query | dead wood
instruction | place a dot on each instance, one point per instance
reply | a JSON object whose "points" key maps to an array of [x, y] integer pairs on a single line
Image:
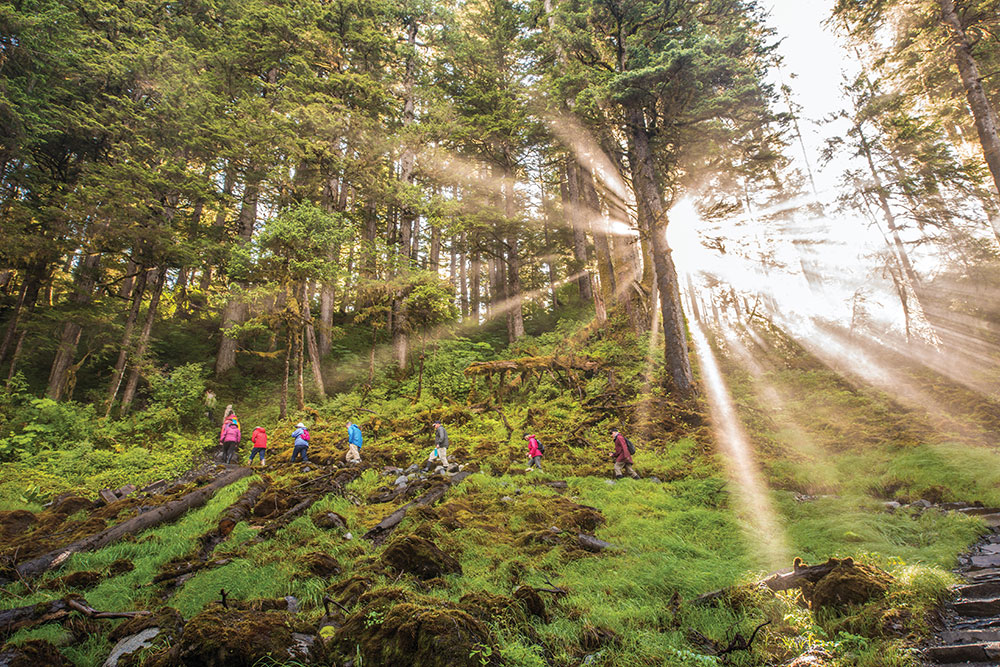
{"points": [[18, 618], [166, 512], [283, 520], [241, 509], [384, 527], [782, 581]]}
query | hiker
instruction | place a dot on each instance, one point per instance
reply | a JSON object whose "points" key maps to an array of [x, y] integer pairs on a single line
{"points": [[301, 449], [535, 451], [354, 441], [440, 447], [622, 457], [259, 440], [210, 402], [230, 438]]}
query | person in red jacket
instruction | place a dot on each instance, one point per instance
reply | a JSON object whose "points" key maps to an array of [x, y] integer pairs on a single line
{"points": [[621, 456], [259, 440], [534, 452]]}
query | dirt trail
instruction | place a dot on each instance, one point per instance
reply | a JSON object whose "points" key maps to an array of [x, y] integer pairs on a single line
{"points": [[970, 632]]}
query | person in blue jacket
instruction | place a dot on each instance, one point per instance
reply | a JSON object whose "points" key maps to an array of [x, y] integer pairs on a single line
{"points": [[354, 441], [301, 449]]}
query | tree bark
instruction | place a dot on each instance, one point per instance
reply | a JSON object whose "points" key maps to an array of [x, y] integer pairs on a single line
{"points": [[463, 276], [83, 290], [515, 307], [982, 111], [123, 352], [162, 514], [653, 220], [140, 351], [235, 310], [476, 268], [241, 509], [218, 228], [605, 296], [283, 402], [572, 210], [26, 298], [314, 358]]}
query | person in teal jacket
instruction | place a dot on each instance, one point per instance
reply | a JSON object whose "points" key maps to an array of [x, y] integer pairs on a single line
{"points": [[354, 441]]}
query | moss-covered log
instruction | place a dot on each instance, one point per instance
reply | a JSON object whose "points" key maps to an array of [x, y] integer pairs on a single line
{"points": [[389, 523], [241, 509], [535, 364], [162, 514]]}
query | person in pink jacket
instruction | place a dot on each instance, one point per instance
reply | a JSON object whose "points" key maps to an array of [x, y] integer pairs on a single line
{"points": [[230, 438], [534, 452]]}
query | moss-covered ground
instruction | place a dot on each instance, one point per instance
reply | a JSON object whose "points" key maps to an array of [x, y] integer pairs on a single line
{"points": [[831, 453]]}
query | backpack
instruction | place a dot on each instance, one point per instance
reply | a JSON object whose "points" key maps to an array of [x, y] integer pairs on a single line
{"points": [[631, 447], [541, 447], [304, 435]]}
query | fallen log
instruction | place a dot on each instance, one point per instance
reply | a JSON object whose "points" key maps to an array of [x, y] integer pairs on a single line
{"points": [[283, 520], [241, 509], [593, 544], [18, 618], [785, 580], [382, 529], [166, 512]]}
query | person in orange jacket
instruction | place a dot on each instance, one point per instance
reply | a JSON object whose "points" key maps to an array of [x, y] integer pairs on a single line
{"points": [[259, 440]]}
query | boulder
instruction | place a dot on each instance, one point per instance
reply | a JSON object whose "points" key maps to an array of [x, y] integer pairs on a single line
{"points": [[322, 565], [329, 520], [219, 637], [14, 523], [849, 583], [420, 557], [131, 644]]}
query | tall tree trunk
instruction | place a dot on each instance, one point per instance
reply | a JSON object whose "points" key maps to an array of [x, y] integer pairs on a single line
{"points": [[573, 212], [604, 297], [653, 220], [982, 111], [283, 401], [235, 310], [314, 358], [218, 227], [26, 299], [476, 267], [434, 256], [83, 290], [463, 277], [147, 329], [131, 271], [123, 352], [515, 308]]}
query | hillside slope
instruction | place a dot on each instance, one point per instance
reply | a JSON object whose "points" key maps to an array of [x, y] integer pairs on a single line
{"points": [[561, 567]]}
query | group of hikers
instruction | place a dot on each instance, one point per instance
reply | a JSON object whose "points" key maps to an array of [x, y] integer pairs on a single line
{"points": [[231, 436]]}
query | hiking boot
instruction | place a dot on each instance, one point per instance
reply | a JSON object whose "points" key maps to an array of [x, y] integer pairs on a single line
{"points": [[527, 469]]}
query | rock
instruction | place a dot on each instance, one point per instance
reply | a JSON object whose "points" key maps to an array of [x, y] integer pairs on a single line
{"points": [[329, 520], [454, 467], [302, 647], [814, 657], [219, 637], [401, 480], [108, 496], [292, 603], [33, 653], [507, 499], [427, 633], [924, 504], [654, 479], [322, 565], [126, 490], [159, 486], [891, 506], [348, 536], [593, 544], [131, 644], [419, 557], [412, 469], [983, 562], [848, 583], [977, 608]]}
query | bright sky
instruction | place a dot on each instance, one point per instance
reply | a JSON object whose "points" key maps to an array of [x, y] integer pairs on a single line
{"points": [[813, 62]]}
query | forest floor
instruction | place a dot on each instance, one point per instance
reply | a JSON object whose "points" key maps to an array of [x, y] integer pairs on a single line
{"points": [[497, 573]]}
